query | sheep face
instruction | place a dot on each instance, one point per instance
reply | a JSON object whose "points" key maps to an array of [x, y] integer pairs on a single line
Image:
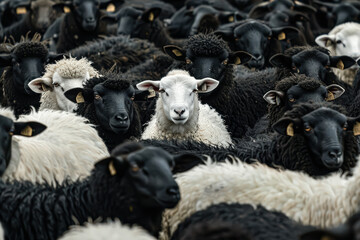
{"points": [[148, 171], [86, 13], [346, 12], [346, 42], [324, 130], [8, 128], [312, 63], [179, 95], [42, 14]]}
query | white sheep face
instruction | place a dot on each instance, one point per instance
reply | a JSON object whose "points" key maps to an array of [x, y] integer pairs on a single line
{"points": [[179, 94]]}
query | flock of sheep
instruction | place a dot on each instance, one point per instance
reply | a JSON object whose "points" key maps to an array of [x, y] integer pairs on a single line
{"points": [[179, 120]]}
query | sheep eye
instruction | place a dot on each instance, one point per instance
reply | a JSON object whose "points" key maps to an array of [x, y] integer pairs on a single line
{"points": [[236, 39], [345, 127], [135, 168], [225, 62], [97, 97], [188, 61], [338, 41], [161, 91], [56, 85], [132, 98], [308, 129], [269, 37], [327, 66], [292, 100]]}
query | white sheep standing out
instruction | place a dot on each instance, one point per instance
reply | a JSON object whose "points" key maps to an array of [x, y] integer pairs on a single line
{"points": [[112, 230], [344, 39], [180, 115], [60, 77], [67, 149], [325, 202]]}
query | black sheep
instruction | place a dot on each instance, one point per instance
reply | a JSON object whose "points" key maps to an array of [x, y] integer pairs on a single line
{"points": [[108, 103], [327, 145], [25, 62], [135, 185], [259, 223]]}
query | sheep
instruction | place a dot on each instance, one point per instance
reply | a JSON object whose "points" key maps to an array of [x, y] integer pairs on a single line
{"points": [[343, 40], [58, 78], [179, 115], [24, 62], [1, 232], [67, 148], [111, 230], [257, 222], [324, 202], [108, 103], [313, 138], [134, 184]]}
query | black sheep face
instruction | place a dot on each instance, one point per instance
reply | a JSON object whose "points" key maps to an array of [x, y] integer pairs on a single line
{"points": [[42, 14], [86, 13], [8, 128], [126, 19], [324, 130], [114, 108], [148, 172], [312, 63]]}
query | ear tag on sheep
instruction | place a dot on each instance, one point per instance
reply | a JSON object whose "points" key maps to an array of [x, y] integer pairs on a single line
{"points": [[151, 17], [357, 129], [152, 93], [282, 36], [290, 130], [177, 52], [328, 43], [231, 19], [340, 65], [28, 131], [111, 8], [203, 87], [131, 208], [112, 169], [237, 61], [80, 98], [66, 10], [330, 96], [21, 10]]}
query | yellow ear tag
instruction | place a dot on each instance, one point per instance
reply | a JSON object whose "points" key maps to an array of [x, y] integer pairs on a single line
{"points": [[66, 10], [151, 17], [340, 65], [112, 168], [237, 61], [282, 36], [357, 129], [80, 98], [27, 131], [44, 87], [203, 87], [21, 10], [290, 130], [328, 43], [152, 93], [177, 52], [131, 208], [111, 8], [327, 238], [330, 96], [231, 19]]}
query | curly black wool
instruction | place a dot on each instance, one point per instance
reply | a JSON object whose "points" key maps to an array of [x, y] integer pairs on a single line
{"points": [[206, 45]]}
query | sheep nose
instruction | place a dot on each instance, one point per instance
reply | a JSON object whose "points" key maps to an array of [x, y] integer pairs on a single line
{"points": [[90, 19], [334, 154], [121, 117], [258, 57], [179, 111], [173, 191]]}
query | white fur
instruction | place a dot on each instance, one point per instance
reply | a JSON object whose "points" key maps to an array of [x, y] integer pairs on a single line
{"points": [[68, 73], [2, 237], [68, 148], [325, 202], [349, 35], [107, 231], [199, 122]]}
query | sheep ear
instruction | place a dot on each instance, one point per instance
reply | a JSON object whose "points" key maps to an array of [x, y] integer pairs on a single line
{"points": [[284, 33], [151, 14], [281, 61], [148, 85], [206, 85], [354, 124], [239, 57], [76, 95], [285, 126], [28, 129], [226, 34], [274, 97], [5, 60], [175, 52], [334, 91], [112, 165], [186, 161], [40, 85], [325, 40], [53, 57], [341, 62]]}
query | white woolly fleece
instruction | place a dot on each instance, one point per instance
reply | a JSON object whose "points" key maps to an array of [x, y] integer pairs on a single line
{"points": [[325, 202], [205, 125], [107, 231], [68, 148]]}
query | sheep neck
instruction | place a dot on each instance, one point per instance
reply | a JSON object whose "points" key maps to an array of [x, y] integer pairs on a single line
{"points": [[169, 130]]}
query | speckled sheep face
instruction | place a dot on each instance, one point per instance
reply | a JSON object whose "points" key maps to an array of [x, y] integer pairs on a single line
{"points": [[87, 13]]}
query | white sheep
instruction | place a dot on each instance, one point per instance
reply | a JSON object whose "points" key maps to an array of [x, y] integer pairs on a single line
{"points": [[325, 202], [112, 230], [67, 148], [180, 115], [344, 39], [60, 77]]}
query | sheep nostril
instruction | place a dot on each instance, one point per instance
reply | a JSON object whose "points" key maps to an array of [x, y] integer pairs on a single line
{"points": [[173, 191], [121, 117]]}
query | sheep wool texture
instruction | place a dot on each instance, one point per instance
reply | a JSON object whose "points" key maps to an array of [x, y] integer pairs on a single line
{"points": [[111, 230], [67, 149], [1, 233], [67, 68], [325, 202]]}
